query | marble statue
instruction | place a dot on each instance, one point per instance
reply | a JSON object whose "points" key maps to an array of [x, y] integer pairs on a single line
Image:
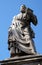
{"points": [[21, 34]]}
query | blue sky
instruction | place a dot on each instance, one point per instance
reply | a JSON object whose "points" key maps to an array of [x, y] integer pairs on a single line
{"points": [[9, 8]]}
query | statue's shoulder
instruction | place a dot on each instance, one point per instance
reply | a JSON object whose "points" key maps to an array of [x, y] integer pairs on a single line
{"points": [[29, 10], [18, 16]]}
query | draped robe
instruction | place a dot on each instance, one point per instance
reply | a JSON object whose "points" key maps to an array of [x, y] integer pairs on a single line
{"points": [[22, 33]]}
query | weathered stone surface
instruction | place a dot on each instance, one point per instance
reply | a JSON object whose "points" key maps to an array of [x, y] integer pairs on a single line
{"points": [[21, 34], [23, 60]]}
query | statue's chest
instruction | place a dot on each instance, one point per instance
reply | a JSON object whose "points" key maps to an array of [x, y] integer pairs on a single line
{"points": [[22, 20], [25, 17]]}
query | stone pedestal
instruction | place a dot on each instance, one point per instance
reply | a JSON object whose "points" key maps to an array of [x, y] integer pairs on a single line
{"points": [[23, 60]]}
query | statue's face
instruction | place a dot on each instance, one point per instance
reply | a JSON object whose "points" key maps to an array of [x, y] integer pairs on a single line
{"points": [[23, 8]]}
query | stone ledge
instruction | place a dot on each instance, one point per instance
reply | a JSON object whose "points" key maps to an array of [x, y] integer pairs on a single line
{"points": [[20, 60]]}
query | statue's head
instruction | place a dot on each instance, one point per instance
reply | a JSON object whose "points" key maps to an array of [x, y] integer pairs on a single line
{"points": [[23, 8]]}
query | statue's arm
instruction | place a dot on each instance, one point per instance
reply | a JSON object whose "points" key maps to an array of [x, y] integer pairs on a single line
{"points": [[10, 33], [11, 28], [12, 24], [34, 19]]}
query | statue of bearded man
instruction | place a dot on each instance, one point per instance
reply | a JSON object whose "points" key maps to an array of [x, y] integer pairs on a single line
{"points": [[20, 37]]}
